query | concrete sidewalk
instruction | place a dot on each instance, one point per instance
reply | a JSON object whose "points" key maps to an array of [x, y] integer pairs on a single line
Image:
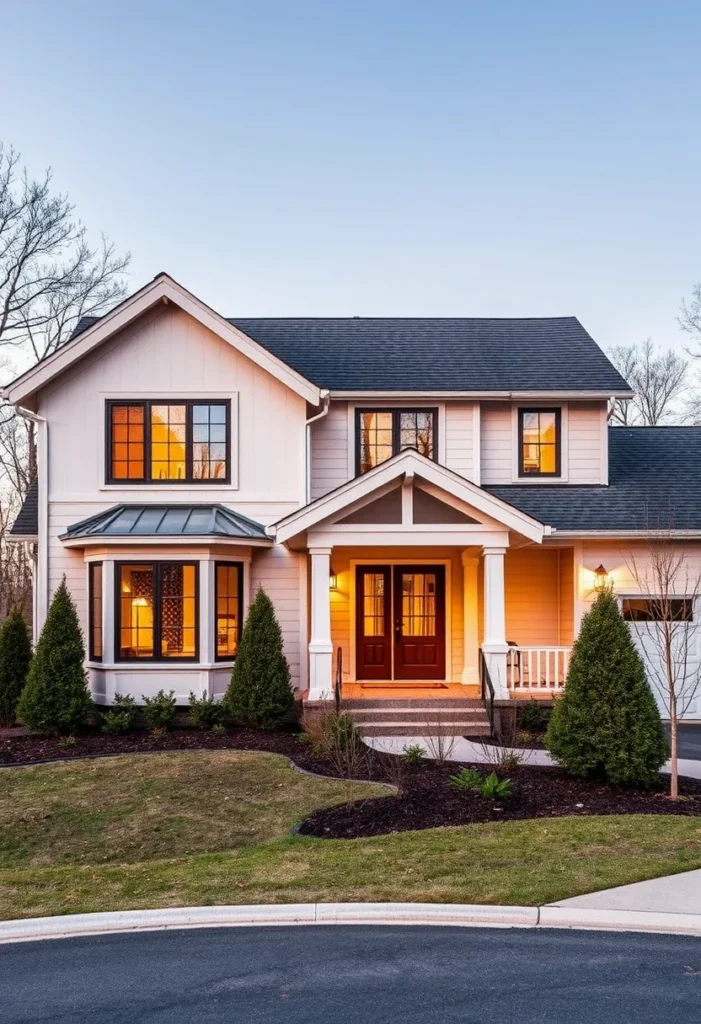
{"points": [[674, 894], [474, 752]]}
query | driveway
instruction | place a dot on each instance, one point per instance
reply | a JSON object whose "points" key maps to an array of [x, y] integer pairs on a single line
{"points": [[353, 975], [689, 741]]}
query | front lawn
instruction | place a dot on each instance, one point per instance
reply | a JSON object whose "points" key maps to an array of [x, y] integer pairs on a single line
{"points": [[214, 827]]}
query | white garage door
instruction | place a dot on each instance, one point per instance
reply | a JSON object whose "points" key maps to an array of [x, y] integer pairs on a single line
{"points": [[642, 615]]}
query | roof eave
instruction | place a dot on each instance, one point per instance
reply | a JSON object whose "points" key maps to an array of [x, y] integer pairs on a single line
{"points": [[584, 395], [136, 540]]}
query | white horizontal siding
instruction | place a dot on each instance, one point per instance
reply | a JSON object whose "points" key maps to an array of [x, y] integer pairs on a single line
{"points": [[277, 571], [587, 435], [496, 443], [330, 445], [459, 438]]}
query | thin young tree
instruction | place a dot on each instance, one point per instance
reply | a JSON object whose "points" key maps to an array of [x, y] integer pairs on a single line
{"points": [[660, 380], [667, 570]]}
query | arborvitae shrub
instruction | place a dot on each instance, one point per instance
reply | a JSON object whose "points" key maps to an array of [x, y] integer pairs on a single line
{"points": [[606, 724], [15, 657], [259, 693], [56, 698]]}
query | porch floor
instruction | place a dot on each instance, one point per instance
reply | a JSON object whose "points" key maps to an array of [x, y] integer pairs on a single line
{"points": [[421, 691]]}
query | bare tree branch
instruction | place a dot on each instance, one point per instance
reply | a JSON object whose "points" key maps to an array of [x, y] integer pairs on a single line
{"points": [[658, 378]]}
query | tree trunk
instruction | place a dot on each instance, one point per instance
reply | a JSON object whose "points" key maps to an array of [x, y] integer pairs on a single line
{"points": [[674, 784]]}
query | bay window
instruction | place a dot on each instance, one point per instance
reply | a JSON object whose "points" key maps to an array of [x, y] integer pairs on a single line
{"points": [[95, 611], [157, 611], [168, 442], [228, 598]]}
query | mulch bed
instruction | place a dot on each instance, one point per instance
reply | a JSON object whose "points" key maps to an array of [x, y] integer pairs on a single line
{"points": [[427, 799]]}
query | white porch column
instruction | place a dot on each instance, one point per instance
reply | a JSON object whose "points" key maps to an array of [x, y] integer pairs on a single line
{"points": [[320, 647], [470, 612], [494, 645]]}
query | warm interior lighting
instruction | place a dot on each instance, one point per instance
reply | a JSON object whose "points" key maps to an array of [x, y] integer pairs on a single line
{"points": [[601, 578], [139, 602]]}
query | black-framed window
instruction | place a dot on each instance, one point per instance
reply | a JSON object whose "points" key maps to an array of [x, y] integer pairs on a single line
{"points": [[228, 601], [95, 611], [539, 442], [657, 609], [382, 433], [157, 611], [168, 442]]}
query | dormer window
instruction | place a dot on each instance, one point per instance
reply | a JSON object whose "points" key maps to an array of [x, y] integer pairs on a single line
{"points": [[168, 442], [382, 433], [539, 442]]}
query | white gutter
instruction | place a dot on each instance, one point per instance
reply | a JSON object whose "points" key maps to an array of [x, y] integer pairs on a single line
{"points": [[325, 406], [484, 395], [41, 597]]}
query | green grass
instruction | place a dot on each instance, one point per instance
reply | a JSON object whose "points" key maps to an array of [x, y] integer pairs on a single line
{"points": [[214, 827]]}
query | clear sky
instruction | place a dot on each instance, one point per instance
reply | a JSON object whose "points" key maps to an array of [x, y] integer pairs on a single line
{"points": [[408, 158]]}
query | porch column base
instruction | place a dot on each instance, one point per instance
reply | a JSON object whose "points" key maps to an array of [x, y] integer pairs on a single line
{"points": [[320, 671], [495, 657]]}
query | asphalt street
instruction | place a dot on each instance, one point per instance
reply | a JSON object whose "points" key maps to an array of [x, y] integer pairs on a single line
{"points": [[354, 974]]}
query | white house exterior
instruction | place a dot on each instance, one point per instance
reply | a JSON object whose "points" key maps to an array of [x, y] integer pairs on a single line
{"points": [[426, 496]]}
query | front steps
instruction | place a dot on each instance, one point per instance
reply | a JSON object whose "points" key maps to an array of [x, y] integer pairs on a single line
{"points": [[417, 717]]}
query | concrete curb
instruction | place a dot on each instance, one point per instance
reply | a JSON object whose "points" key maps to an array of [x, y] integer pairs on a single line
{"points": [[454, 915]]}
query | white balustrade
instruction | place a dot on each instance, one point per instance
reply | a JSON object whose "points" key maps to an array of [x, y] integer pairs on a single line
{"points": [[542, 669]]}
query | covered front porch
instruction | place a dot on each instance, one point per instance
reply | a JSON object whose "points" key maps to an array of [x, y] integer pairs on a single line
{"points": [[420, 581]]}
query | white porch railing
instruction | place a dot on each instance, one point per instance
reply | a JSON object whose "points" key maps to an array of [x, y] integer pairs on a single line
{"points": [[537, 668]]}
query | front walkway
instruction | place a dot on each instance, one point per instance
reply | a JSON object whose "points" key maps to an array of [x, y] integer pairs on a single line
{"points": [[674, 894], [473, 752]]}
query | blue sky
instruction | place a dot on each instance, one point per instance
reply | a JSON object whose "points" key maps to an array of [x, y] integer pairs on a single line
{"points": [[383, 158]]}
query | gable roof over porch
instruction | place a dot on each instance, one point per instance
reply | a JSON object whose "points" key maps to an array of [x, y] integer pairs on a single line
{"points": [[405, 467]]}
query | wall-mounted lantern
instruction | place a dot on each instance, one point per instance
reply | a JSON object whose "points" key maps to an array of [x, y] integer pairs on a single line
{"points": [[602, 580]]}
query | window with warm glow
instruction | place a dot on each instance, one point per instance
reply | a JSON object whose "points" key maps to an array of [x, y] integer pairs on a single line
{"points": [[657, 609], [168, 442], [95, 610], [157, 611], [539, 442], [382, 433], [229, 602]]}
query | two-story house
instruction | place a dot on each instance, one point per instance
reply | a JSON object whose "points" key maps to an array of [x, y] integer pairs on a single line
{"points": [[431, 497]]}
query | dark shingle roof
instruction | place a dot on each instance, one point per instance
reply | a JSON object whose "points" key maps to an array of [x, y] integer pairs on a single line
{"points": [[167, 521], [441, 354], [654, 484], [435, 354], [27, 522]]}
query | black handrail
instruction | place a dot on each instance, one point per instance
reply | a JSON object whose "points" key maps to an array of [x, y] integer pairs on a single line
{"points": [[487, 691], [337, 693]]}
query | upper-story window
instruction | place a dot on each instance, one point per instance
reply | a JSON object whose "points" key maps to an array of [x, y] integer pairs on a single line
{"points": [[539, 442], [168, 442], [381, 433]]}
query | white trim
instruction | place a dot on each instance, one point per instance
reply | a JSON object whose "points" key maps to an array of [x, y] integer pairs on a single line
{"points": [[392, 562], [624, 534], [477, 444], [428, 536], [323, 508], [526, 480], [161, 288], [604, 462], [106, 541]]}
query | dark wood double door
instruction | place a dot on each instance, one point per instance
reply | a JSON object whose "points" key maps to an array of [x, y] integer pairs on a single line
{"points": [[400, 622]]}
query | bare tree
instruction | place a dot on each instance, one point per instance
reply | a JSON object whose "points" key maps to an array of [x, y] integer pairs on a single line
{"points": [[50, 276], [668, 573], [689, 318], [658, 378]]}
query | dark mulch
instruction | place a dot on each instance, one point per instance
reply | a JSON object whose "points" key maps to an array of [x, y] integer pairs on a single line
{"points": [[30, 749], [428, 801]]}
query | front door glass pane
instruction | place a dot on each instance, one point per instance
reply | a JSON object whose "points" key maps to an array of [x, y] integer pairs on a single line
{"points": [[419, 604], [374, 604]]}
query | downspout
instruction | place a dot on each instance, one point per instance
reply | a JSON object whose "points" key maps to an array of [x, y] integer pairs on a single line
{"points": [[325, 406], [40, 602]]}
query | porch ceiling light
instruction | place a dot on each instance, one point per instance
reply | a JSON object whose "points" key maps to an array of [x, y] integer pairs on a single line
{"points": [[601, 578]]}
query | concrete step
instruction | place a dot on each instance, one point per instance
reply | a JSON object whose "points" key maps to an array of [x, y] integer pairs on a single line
{"points": [[392, 728], [370, 715]]}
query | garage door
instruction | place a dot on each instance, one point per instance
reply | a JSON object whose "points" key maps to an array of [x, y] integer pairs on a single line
{"points": [[642, 615]]}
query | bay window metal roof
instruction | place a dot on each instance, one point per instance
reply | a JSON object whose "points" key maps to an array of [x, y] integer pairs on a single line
{"points": [[167, 521]]}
